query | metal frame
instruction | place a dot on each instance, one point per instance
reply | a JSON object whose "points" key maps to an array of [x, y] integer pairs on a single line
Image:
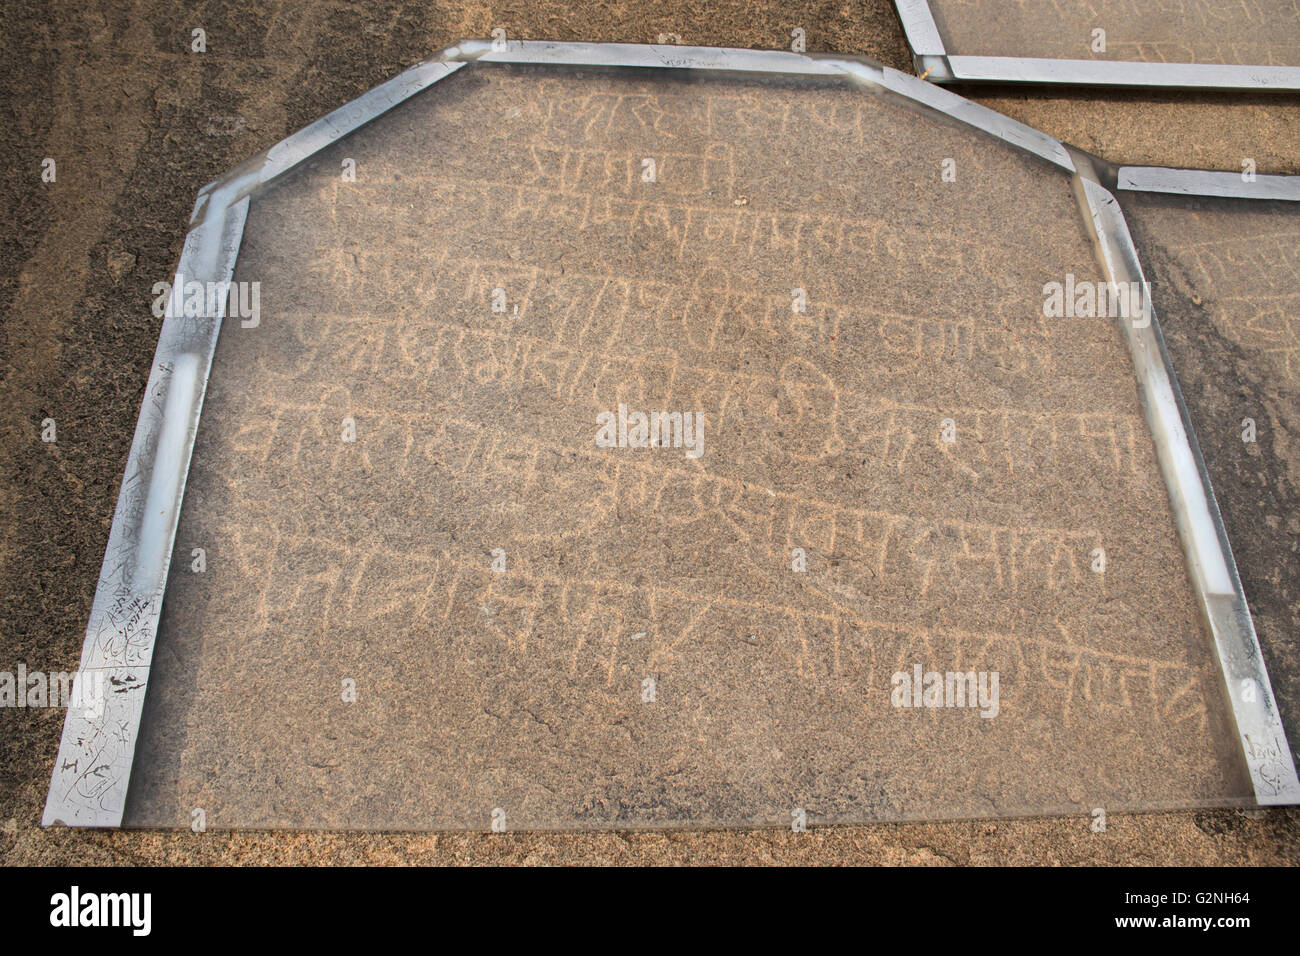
{"points": [[938, 64], [1211, 564], [93, 767], [1202, 182]]}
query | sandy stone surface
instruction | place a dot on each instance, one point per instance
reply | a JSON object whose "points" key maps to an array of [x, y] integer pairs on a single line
{"points": [[138, 124]]}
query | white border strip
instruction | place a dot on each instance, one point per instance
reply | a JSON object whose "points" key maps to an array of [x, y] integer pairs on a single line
{"points": [[1202, 182], [1205, 76], [981, 117]]}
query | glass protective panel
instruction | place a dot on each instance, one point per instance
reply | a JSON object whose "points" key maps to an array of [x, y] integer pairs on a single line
{"points": [[618, 448]]}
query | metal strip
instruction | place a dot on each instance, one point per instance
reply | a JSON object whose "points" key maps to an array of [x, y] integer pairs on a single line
{"points": [[980, 117], [1201, 182], [1204, 76], [918, 23], [333, 126], [669, 56], [269, 165], [1211, 566], [93, 767]]}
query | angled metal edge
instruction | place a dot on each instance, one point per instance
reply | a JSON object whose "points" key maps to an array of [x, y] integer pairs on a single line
{"points": [[1202, 182], [661, 56], [255, 173], [1203, 76], [1211, 566], [918, 23], [89, 783], [259, 171], [972, 114]]}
